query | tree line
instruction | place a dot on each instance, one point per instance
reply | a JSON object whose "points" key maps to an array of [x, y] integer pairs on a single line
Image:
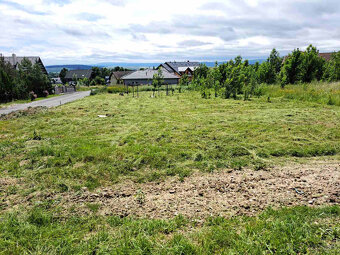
{"points": [[239, 77], [26, 81], [98, 75]]}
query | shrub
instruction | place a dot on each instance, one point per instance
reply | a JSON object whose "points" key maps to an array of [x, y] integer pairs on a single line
{"points": [[32, 96], [45, 93], [116, 89], [98, 91]]}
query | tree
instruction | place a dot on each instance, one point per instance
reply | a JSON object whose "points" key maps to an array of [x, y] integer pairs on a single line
{"points": [[266, 73], [33, 79], [311, 65], [96, 72], [291, 70], [75, 79], [184, 81], [216, 79], [97, 81], [62, 75], [201, 71], [7, 77], [275, 61], [332, 68], [157, 80]]}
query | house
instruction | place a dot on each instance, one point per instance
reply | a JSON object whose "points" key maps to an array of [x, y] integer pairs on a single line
{"points": [[56, 81], [326, 56], [180, 68], [78, 74], [116, 77], [144, 77], [15, 61]]}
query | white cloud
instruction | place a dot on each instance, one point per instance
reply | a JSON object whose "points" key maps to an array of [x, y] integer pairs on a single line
{"points": [[91, 31]]}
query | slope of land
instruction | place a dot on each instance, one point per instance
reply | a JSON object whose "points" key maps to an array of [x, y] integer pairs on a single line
{"points": [[177, 174]]}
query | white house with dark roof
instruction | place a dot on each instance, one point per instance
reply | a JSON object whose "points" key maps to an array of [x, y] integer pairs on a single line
{"points": [[15, 61], [144, 77], [180, 68]]}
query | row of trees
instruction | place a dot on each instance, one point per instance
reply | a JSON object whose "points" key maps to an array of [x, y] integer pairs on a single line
{"points": [[98, 75], [19, 84], [238, 77]]}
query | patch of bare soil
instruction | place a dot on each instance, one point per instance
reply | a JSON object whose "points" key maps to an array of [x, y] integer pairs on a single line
{"points": [[224, 193]]}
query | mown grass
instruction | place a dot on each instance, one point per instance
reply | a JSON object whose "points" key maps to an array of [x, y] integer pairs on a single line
{"points": [[149, 138], [323, 93], [64, 149], [299, 230], [24, 101]]}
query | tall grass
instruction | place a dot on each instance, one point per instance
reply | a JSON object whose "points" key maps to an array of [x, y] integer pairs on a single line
{"points": [[319, 92], [300, 230]]}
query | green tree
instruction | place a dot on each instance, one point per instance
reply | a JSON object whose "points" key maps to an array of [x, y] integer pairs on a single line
{"points": [[184, 81], [62, 75], [7, 78], [32, 78], [157, 80], [96, 72], [291, 70], [332, 68], [216, 79], [266, 73], [275, 60], [201, 72], [311, 65]]}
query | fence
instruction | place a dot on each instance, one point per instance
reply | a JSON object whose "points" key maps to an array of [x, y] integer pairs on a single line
{"points": [[64, 89]]}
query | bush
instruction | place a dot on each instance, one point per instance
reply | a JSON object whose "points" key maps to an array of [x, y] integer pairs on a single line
{"points": [[32, 96], [116, 89], [98, 91], [45, 93]]}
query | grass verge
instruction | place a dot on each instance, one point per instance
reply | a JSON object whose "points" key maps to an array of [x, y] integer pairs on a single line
{"points": [[299, 230]]}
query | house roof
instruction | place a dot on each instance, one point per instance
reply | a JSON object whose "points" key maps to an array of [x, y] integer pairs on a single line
{"points": [[80, 74], [175, 66], [327, 56], [56, 80], [120, 74], [15, 61], [148, 75], [183, 69]]}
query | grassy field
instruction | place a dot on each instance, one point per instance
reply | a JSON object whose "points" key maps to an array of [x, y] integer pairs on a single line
{"points": [[323, 93], [300, 230], [24, 101], [146, 139]]}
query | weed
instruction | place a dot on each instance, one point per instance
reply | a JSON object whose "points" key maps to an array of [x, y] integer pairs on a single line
{"points": [[36, 137], [93, 207], [140, 197]]}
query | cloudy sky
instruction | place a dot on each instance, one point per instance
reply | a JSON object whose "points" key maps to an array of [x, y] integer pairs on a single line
{"points": [[95, 31]]}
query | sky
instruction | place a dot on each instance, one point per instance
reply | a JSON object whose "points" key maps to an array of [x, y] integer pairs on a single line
{"points": [[97, 31]]}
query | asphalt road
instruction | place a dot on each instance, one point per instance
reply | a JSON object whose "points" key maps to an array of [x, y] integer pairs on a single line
{"points": [[50, 102]]}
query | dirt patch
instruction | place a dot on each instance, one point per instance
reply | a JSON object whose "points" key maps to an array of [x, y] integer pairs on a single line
{"points": [[20, 113], [225, 193]]}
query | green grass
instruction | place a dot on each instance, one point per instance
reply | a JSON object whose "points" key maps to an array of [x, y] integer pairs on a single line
{"points": [[24, 101], [299, 230], [323, 93], [149, 138], [145, 139]]}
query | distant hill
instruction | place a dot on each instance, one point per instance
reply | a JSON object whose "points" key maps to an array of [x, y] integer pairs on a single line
{"points": [[57, 68], [132, 66]]}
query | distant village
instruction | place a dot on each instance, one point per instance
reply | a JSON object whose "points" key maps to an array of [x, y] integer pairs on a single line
{"points": [[171, 73]]}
